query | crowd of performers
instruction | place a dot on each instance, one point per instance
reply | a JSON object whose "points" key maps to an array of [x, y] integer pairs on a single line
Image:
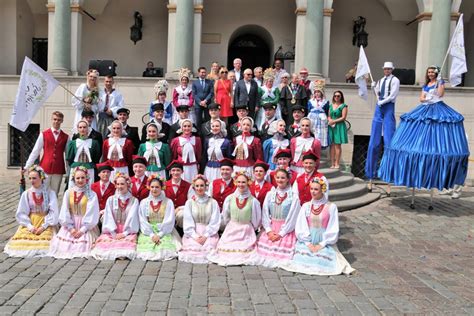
{"points": [[247, 193]]}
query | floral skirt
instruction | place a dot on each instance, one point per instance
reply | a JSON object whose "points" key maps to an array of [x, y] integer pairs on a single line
{"points": [[65, 246], [236, 246], [25, 244], [167, 249], [272, 254], [193, 251], [109, 248]]}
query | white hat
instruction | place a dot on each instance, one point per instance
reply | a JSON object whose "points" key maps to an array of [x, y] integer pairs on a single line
{"points": [[388, 64]]}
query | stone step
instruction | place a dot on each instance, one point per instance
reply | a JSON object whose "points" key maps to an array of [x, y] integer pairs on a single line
{"points": [[330, 173], [344, 180], [357, 202], [358, 188]]}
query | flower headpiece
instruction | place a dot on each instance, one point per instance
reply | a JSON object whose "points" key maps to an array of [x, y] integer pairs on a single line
{"points": [[184, 73], [321, 182], [93, 72], [161, 86], [83, 169], [200, 177], [155, 177], [318, 85], [124, 176], [39, 170], [242, 173], [268, 74], [435, 68]]}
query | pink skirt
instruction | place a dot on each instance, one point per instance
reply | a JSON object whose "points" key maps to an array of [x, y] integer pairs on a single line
{"points": [[274, 253], [109, 248], [236, 246], [65, 246], [194, 252]]}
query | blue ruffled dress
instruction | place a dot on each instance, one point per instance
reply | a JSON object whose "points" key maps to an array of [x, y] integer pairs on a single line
{"points": [[429, 148]]}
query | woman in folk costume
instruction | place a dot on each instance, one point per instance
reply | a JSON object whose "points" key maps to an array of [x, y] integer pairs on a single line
{"points": [[279, 213], [242, 215], [37, 214], [303, 143], [160, 89], [120, 225], [78, 217], [83, 151], [158, 240], [318, 108], [278, 141], [87, 98], [183, 93], [216, 148], [247, 148], [187, 148], [202, 219], [117, 150], [268, 94], [157, 153], [317, 232]]}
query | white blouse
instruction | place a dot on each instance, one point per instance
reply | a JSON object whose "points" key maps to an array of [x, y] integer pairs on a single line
{"points": [[132, 223], [290, 220], [256, 209], [165, 227], [91, 217], [211, 217], [25, 208]]}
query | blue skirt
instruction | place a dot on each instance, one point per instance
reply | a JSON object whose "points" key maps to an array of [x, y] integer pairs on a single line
{"points": [[428, 150]]}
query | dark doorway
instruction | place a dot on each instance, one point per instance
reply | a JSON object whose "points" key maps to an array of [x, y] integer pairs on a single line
{"points": [[252, 49], [40, 52]]}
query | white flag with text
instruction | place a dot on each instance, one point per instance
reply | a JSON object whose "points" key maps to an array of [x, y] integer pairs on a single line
{"points": [[35, 87], [363, 70], [458, 54]]}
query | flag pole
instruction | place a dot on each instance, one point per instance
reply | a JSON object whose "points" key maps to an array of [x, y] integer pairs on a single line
{"points": [[450, 45], [70, 92]]}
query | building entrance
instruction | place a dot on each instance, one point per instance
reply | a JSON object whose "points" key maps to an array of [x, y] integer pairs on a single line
{"points": [[252, 49]]}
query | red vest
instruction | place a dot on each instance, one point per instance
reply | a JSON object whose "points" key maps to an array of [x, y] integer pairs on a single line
{"points": [[216, 191], [303, 186], [52, 161], [109, 191], [181, 196], [267, 187], [142, 192]]}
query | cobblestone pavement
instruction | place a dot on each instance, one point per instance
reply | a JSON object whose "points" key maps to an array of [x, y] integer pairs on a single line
{"points": [[408, 261]]}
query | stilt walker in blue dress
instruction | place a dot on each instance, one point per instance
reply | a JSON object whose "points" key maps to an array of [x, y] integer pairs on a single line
{"points": [[386, 90], [429, 149]]}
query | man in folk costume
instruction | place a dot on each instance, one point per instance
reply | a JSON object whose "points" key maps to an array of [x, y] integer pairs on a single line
{"points": [[292, 95], [259, 187], [386, 90], [139, 188], [52, 142], [88, 116], [112, 101], [158, 114], [177, 189], [104, 188], [293, 129], [301, 185], [242, 111], [214, 113], [282, 160], [123, 115], [221, 188], [270, 111]]}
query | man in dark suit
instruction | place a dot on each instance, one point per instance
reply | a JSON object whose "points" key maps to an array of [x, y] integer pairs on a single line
{"points": [[203, 93], [246, 92], [293, 129], [132, 132], [158, 114], [270, 110]]}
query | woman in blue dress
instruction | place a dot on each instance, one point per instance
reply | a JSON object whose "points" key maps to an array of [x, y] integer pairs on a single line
{"points": [[429, 148], [278, 141]]}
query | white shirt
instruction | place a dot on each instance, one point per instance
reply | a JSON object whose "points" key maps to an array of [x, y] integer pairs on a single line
{"points": [[394, 89], [247, 85], [116, 101], [238, 75]]}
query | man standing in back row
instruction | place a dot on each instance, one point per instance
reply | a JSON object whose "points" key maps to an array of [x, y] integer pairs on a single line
{"points": [[246, 92], [386, 90]]}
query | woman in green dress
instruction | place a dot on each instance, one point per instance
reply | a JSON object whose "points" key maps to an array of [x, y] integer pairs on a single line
{"points": [[157, 153], [337, 127], [158, 239]]}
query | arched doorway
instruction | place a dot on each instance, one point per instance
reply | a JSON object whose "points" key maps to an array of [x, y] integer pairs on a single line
{"points": [[253, 44]]}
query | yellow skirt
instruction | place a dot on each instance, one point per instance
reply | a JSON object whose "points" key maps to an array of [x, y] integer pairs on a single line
{"points": [[26, 244]]}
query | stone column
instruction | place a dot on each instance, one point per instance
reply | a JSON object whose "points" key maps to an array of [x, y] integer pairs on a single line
{"points": [[184, 41], [326, 36], [171, 36], [61, 63], [50, 7], [300, 32], [313, 49], [198, 8], [76, 36], [440, 29]]}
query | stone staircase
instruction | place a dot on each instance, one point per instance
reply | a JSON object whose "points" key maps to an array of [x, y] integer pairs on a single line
{"points": [[346, 191]]}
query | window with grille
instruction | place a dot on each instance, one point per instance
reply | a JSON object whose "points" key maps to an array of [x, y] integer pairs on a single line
{"points": [[21, 144]]}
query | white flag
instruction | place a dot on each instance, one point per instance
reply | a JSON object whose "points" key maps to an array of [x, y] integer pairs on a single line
{"points": [[362, 70], [35, 87], [458, 54]]}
